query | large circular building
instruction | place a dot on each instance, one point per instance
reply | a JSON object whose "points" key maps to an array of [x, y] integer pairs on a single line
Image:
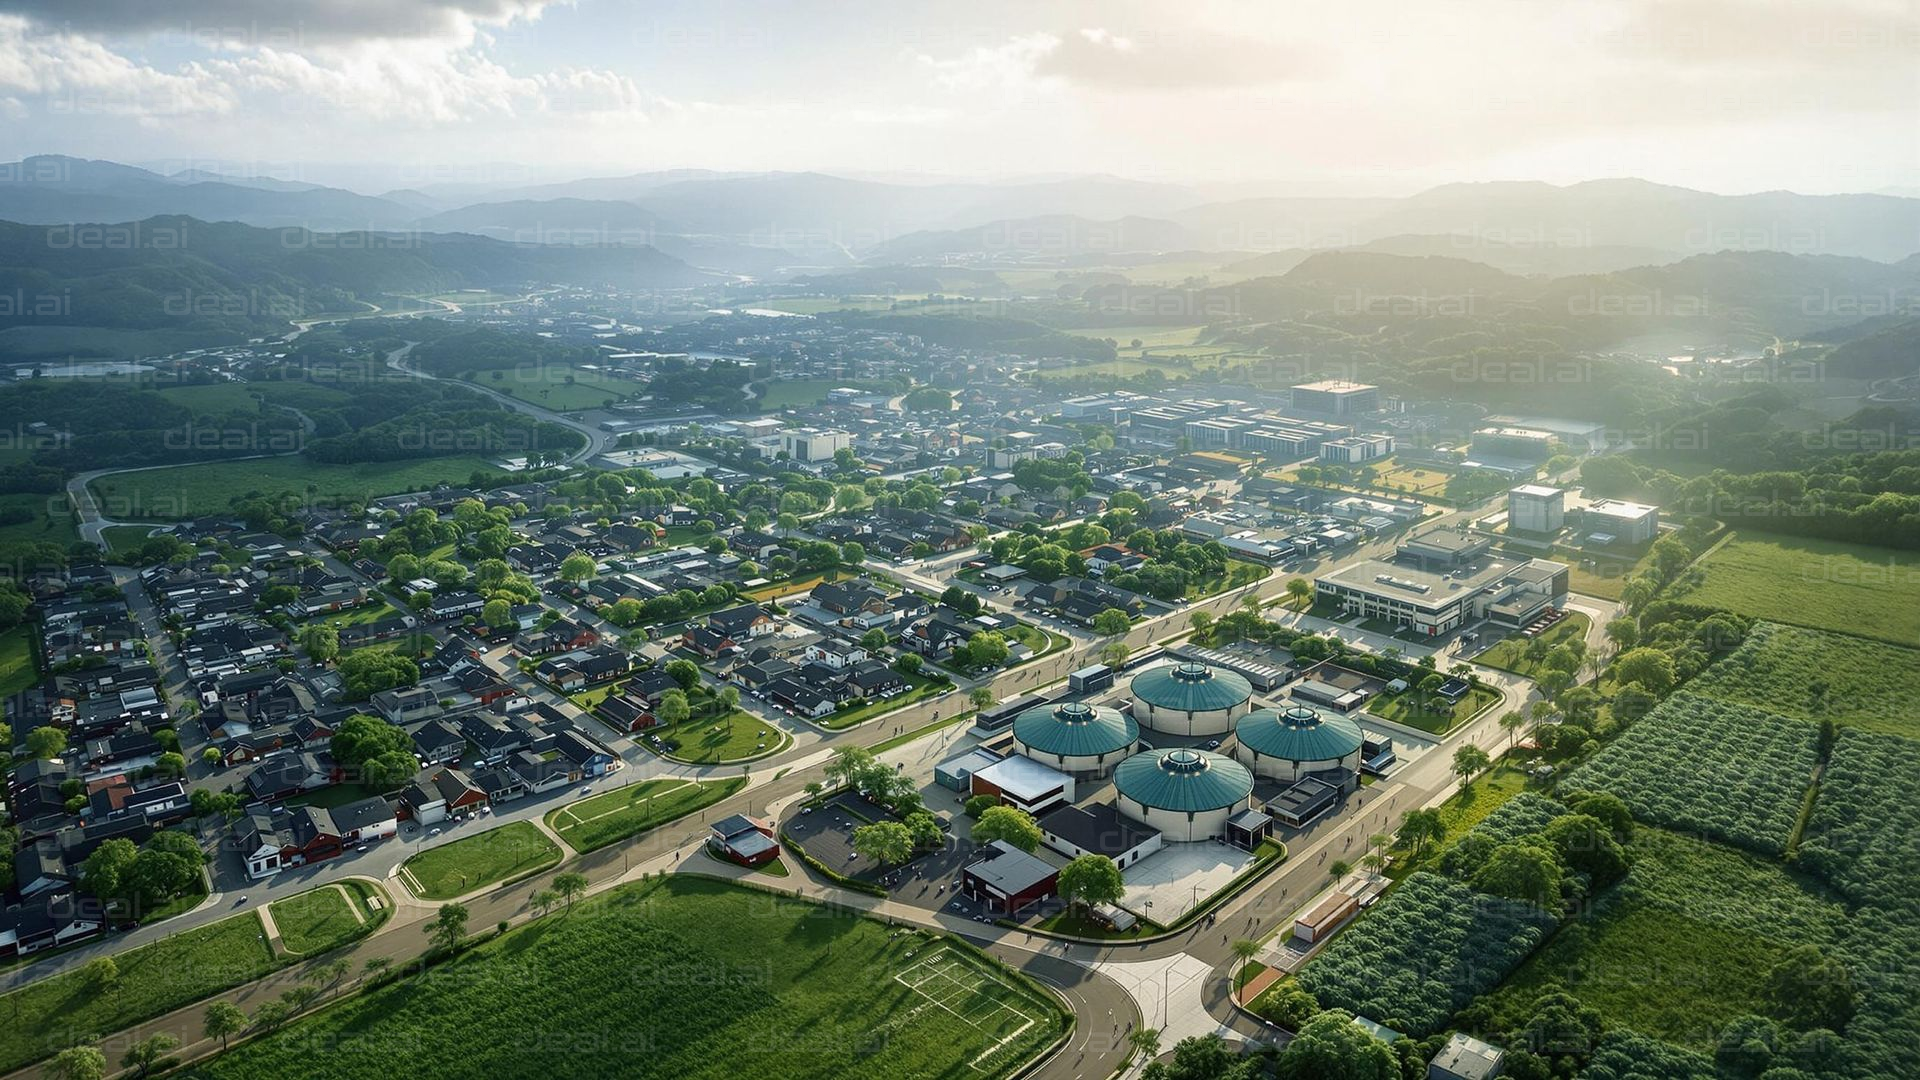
{"points": [[1075, 737], [1186, 794], [1190, 699], [1290, 743]]}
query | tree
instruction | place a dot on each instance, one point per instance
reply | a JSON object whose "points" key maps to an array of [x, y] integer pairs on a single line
{"points": [[1112, 622], [1008, 823], [874, 640], [1420, 828], [1523, 871], [985, 649], [46, 743], [1244, 950], [909, 663], [673, 708], [1427, 686], [1470, 761], [1114, 654], [1808, 989], [1332, 1047], [148, 1053], [1202, 623], [925, 829], [333, 972], [224, 1020], [1651, 668], [853, 553], [981, 696], [102, 974], [577, 567], [1091, 879], [1145, 1041], [1623, 632], [104, 873], [83, 1062], [570, 885], [366, 672], [1511, 723], [1631, 702], [1605, 807], [1300, 591], [449, 926], [321, 642], [497, 615], [271, 1014], [885, 842], [543, 900]]}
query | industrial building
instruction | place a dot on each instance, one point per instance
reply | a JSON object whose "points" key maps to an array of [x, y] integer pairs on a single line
{"points": [[1336, 397], [1297, 741], [1526, 444], [1188, 795], [1190, 699], [1023, 783], [1536, 509], [1008, 879], [1437, 584], [814, 444], [1099, 829], [1615, 521], [1356, 449], [1077, 738]]}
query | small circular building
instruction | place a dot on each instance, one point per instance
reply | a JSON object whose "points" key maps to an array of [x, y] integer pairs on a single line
{"points": [[1190, 699], [1187, 794], [1290, 743], [1075, 737]]}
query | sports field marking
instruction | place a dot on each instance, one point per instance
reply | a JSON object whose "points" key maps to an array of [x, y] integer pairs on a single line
{"points": [[944, 981]]}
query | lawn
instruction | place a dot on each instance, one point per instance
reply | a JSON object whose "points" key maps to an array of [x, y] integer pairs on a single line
{"points": [[562, 389], [921, 688], [1828, 585], [1238, 573], [777, 394], [1511, 654], [676, 978], [189, 491], [122, 539], [1606, 577], [613, 816], [374, 610], [1437, 716], [477, 861], [1682, 945], [1819, 675], [738, 736], [45, 1017], [17, 669], [332, 915]]}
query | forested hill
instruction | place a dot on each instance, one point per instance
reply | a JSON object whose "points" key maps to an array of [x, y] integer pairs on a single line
{"points": [[224, 278]]}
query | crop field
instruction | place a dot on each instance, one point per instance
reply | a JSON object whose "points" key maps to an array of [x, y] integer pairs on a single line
{"points": [[322, 918], [1864, 834], [1709, 920], [1853, 588], [1819, 675], [613, 816], [1730, 771], [1423, 951], [477, 861], [45, 1017], [674, 978], [189, 491]]}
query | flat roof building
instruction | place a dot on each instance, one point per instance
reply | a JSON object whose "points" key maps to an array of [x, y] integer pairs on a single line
{"points": [[1536, 509], [1007, 879], [1023, 783], [1626, 522], [1437, 601], [1099, 829], [1336, 397]]}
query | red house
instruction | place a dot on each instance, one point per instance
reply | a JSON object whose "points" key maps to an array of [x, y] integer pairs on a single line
{"points": [[746, 840]]}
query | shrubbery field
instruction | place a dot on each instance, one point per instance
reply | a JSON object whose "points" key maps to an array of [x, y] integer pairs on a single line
{"points": [[1864, 835], [1731, 771], [1424, 951], [678, 977], [1820, 676]]}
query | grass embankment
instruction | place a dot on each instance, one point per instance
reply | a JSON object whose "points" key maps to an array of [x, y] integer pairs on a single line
{"points": [[477, 861]]}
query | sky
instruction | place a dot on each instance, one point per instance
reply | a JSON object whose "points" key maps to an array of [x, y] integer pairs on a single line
{"points": [[1300, 97]]}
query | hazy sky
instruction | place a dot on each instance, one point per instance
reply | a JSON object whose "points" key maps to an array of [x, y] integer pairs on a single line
{"points": [[1348, 95]]}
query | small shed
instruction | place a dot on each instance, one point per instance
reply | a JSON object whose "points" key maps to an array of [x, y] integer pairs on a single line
{"points": [[1325, 917], [1248, 828]]}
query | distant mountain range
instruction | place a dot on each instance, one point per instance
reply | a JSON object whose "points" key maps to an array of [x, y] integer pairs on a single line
{"points": [[768, 223]]}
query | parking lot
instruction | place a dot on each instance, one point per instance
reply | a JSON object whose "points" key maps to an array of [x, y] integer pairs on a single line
{"points": [[927, 881]]}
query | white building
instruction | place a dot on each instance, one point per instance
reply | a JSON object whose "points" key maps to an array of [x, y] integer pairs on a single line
{"points": [[814, 444], [1617, 521], [1356, 449], [1536, 508]]}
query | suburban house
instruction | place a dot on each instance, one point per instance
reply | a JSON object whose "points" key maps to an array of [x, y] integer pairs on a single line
{"points": [[49, 920], [432, 798], [746, 840], [743, 622]]}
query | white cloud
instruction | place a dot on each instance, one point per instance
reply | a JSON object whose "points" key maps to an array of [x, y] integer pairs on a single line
{"points": [[74, 75]]}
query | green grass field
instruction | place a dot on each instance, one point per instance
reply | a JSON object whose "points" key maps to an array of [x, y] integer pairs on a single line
{"points": [[1437, 716], [372, 611], [1511, 654], [225, 397], [719, 740], [776, 394], [561, 389], [678, 978], [46, 1017], [1855, 589], [1682, 945], [189, 491], [319, 919], [17, 670], [613, 816], [45, 518], [476, 861], [1818, 675], [120, 539], [922, 688]]}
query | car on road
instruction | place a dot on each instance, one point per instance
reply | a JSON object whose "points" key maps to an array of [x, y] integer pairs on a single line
{"points": [[433, 832]]}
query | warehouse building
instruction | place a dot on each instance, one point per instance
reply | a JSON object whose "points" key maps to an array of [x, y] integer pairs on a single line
{"points": [[1188, 795], [1536, 509], [1099, 829], [1615, 521], [1336, 397]]}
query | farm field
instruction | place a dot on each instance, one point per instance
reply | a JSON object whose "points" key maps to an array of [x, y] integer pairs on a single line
{"points": [[1731, 771], [320, 919], [1423, 951], [725, 982], [43, 518], [561, 389], [189, 491], [46, 1016], [1864, 833], [477, 861], [1175, 338], [613, 816], [1818, 675], [1710, 920], [1824, 584]]}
